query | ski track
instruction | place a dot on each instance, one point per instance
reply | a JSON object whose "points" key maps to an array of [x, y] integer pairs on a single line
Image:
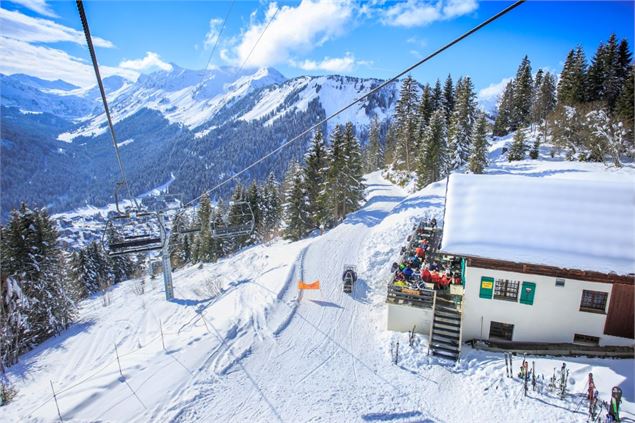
{"points": [[297, 356]]}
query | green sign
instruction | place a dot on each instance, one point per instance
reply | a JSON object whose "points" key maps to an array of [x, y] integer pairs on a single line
{"points": [[487, 287]]}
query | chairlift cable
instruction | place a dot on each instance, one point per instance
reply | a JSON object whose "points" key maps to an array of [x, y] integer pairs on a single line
{"points": [[91, 49], [258, 40], [374, 90], [209, 60]]}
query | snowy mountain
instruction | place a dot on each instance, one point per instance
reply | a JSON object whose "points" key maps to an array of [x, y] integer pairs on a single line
{"points": [[183, 122]]}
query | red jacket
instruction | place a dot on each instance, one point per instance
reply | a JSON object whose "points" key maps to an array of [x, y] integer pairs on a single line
{"points": [[425, 275], [444, 280], [419, 252], [436, 278]]}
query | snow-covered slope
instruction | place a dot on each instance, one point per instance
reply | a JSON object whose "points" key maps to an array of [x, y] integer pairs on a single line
{"points": [[260, 351], [332, 92], [183, 96]]}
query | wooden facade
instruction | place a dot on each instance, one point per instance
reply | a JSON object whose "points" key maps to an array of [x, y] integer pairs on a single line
{"points": [[620, 320], [556, 272]]}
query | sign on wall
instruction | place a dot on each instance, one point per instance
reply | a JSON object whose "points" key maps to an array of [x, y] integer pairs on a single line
{"points": [[487, 287]]}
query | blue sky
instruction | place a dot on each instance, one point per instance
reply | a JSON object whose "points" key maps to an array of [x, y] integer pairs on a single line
{"points": [[370, 39]]}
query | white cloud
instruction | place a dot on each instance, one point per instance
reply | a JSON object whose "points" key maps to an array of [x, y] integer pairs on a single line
{"points": [[214, 32], [151, 61], [488, 96], [38, 6], [294, 30], [423, 12], [335, 64], [49, 63], [26, 28]]}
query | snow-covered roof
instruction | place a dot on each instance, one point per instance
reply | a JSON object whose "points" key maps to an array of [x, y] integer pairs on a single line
{"points": [[572, 224]]}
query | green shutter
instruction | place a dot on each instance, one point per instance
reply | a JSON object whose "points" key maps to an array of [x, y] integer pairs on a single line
{"points": [[487, 287], [527, 293], [463, 271]]}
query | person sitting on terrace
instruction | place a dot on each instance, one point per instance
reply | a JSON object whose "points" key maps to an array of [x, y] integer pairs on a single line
{"points": [[444, 281], [394, 267], [420, 252], [456, 278], [434, 266], [415, 263], [426, 276], [433, 223], [407, 272], [400, 282]]}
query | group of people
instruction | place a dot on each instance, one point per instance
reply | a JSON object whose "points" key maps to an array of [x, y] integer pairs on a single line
{"points": [[418, 265]]}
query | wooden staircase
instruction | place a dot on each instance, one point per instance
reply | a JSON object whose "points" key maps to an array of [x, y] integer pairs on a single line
{"points": [[445, 334]]}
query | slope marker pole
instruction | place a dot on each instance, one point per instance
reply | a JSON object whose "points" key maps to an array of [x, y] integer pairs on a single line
{"points": [[56, 404]]}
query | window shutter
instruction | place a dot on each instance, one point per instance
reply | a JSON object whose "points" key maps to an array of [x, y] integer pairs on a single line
{"points": [[487, 287], [527, 293]]}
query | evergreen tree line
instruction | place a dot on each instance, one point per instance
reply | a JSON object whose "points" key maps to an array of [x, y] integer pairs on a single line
{"points": [[320, 193], [314, 195], [264, 204], [40, 285], [588, 113], [435, 130]]}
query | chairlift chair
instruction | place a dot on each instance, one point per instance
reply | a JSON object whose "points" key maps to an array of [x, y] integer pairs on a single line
{"points": [[240, 222], [134, 232]]}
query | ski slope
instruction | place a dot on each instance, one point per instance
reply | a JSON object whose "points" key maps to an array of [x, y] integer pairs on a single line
{"points": [[261, 352]]}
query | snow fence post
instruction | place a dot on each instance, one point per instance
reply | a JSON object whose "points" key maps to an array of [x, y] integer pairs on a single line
{"points": [[118, 362], [56, 404], [161, 329], [397, 353]]}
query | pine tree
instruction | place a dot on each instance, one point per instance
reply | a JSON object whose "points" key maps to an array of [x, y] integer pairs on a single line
{"points": [[33, 261], [448, 98], [523, 89], [314, 171], [437, 97], [426, 107], [462, 123], [432, 161], [375, 159], [335, 193], [503, 122], [545, 98], [254, 198], [518, 148], [624, 60], [624, 107], [295, 208], [271, 206], [606, 73], [391, 145], [352, 171], [406, 124], [203, 249], [572, 84], [478, 157]]}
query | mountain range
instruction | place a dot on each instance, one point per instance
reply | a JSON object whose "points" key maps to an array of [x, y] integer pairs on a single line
{"points": [[193, 128]]}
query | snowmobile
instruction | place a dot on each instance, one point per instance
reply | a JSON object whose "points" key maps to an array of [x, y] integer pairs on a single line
{"points": [[349, 277]]}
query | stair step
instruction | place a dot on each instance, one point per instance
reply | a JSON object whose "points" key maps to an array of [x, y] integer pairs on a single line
{"points": [[447, 308], [445, 339], [445, 332], [453, 324], [446, 355], [448, 321], [447, 314], [447, 350]]}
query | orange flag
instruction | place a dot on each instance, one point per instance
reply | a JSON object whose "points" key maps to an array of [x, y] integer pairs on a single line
{"points": [[313, 285]]}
